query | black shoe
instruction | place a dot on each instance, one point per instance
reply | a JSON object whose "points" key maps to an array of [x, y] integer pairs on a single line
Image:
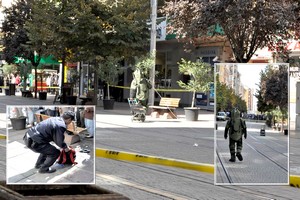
{"points": [[232, 159], [49, 170], [239, 156], [37, 166]]}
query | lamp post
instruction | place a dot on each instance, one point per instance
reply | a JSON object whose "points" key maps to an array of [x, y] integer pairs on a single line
{"points": [[153, 48]]}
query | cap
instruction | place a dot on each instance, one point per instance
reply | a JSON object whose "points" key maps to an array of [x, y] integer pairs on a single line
{"points": [[68, 115]]}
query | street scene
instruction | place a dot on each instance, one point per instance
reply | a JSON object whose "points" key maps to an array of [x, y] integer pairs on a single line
{"points": [[265, 157], [252, 140], [23, 119], [150, 99], [171, 139]]}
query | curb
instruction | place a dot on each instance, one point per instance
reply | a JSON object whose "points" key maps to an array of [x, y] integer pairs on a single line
{"points": [[118, 155]]}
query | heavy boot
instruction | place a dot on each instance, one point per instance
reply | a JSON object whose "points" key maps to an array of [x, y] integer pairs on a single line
{"points": [[232, 159], [239, 156]]}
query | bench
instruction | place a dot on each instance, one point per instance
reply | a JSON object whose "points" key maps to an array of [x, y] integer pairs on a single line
{"points": [[88, 98], [166, 108]]}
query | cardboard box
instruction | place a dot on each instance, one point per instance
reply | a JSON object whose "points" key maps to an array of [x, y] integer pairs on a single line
{"points": [[71, 138]]}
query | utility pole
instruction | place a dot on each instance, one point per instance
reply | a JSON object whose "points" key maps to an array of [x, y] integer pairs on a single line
{"points": [[153, 48]]}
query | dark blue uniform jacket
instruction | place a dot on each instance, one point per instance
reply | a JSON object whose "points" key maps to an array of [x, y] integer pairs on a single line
{"points": [[51, 129]]}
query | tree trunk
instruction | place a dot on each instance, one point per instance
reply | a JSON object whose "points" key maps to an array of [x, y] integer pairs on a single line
{"points": [[108, 94], [62, 74], [193, 99], [35, 77], [95, 87]]}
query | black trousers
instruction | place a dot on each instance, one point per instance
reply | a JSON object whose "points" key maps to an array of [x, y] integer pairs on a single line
{"points": [[48, 155]]}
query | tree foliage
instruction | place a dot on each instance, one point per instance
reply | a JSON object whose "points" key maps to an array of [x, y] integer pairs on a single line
{"points": [[201, 76], [247, 24], [273, 90], [227, 99], [89, 30], [15, 38], [14, 33], [262, 105]]}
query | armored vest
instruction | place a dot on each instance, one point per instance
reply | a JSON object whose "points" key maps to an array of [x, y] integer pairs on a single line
{"points": [[237, 125]]}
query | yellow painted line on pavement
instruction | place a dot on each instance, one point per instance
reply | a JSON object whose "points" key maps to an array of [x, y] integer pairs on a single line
{"points": [[118, 155], [2, 137], [295, 181]]}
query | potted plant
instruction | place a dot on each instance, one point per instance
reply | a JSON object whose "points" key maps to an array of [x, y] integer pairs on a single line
{"points": [[18, 120], [109, 71], [200, 78]]}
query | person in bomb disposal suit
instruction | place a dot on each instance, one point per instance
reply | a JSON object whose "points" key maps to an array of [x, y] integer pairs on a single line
{"points": [[140, 87], [236, 128], [38, 139]]}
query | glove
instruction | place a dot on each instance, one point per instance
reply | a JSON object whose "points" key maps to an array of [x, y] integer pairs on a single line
{"points": [[245, 135], [225, 136]]}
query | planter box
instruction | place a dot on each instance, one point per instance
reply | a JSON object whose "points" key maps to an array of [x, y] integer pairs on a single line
{"points": [[191, 114], [18, 123], [108, 104], [42, 95], [7, 92]]}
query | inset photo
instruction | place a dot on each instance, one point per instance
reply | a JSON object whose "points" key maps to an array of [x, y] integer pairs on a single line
{"points": [[251, 124], [50, 144]]}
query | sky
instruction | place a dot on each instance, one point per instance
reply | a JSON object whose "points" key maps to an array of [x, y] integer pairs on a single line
{"points": [[250, 74]]}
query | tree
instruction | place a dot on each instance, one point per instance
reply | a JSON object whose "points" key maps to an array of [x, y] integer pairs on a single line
{"points": [[89, 30], [227, 99], [222, 95], [262, 106], [200, 74], [276, 91], [247, 24], [109, 71], [15, 40], [274, 88]]}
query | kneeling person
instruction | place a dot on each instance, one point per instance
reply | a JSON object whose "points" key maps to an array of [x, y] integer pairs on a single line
{"points": [[38, 139]]}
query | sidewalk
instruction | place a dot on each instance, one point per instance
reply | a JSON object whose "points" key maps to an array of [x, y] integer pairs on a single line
{"points": [[21, 160]]}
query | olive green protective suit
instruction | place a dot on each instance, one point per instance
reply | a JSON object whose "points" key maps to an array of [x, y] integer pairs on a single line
{"points": [[139, 88], [236, 127]]}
